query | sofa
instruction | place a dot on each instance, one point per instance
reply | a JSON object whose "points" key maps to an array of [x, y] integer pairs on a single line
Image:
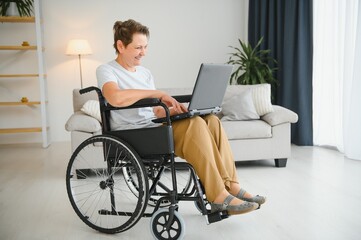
{"points": [[256, 129]]}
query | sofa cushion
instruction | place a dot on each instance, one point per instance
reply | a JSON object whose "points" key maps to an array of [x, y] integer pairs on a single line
{"points": [[79, 121], [177, 91], [262, 98], [247, 129], [261, 94], [239, 107], [92, 108], [80, 99]]}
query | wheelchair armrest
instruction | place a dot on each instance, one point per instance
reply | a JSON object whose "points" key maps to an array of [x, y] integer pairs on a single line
{"points": [[183, 98], [146, 102]]}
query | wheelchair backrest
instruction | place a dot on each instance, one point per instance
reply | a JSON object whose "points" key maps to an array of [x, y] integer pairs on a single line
{"points": [[146, 141]]}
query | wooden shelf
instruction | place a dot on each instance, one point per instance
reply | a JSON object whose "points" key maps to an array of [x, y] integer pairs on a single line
{"points": [[17, 19], [18, 103], [18, 75], [20, 130], [18, 47], [32, 76]]}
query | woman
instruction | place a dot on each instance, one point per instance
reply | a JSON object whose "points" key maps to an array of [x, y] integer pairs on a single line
{"points": [[200, 140]]}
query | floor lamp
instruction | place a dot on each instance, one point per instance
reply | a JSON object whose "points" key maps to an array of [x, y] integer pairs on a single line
{"points": [[79, 47]]}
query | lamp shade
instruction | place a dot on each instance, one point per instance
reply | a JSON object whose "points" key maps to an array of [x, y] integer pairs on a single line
{"points": [[78, 47]]}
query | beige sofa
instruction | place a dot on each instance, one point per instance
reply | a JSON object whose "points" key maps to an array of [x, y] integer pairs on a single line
{"points": [[252, 139]]}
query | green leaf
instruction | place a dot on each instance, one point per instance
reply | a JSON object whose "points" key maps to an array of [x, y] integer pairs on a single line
{"points": [[25, 7], [252, 64]]}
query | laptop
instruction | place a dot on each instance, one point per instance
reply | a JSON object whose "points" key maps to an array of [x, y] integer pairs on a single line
{"points": [[208, 91]]}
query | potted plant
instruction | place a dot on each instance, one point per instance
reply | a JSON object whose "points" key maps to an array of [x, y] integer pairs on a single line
{"points": [[25, 7], [252, 65]]}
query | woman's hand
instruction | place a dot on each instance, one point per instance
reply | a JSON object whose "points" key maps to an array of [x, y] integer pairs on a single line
{"points": [[174, 107], [173, 104]]}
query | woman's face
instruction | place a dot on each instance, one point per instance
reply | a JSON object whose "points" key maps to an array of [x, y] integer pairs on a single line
{"points": [[131, 56]]}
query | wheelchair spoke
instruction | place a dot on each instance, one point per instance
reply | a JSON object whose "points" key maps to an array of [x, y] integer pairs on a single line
{"points": [[83, 199]]}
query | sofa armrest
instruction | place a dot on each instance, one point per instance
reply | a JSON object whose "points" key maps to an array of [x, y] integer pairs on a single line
{"points": [[80, 121], [280, 115]]}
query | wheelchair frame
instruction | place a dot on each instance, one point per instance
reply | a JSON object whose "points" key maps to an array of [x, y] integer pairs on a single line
{"points": [[120, 177]]}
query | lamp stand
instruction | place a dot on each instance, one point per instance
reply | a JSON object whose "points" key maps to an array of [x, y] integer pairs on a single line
{"points": [[81, 76], [78, 47]]}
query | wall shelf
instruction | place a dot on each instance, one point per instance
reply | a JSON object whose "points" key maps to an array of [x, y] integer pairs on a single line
{"points": [[18, 75], [19, 103], [16, 19], [20, 130], [23, 48], [13, 31]]}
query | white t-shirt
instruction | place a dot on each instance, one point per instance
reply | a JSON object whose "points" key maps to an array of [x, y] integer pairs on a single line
{"points": [[140, 79]]}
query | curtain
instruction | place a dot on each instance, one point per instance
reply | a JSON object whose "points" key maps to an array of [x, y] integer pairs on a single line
{"points": [[337, 75], [286, 26]]}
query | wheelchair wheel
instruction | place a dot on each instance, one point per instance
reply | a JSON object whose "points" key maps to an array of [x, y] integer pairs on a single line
{"points": [[159, 222], [96, 187]]}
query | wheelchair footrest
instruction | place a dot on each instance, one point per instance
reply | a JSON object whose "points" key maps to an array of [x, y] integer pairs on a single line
{"points": [[216, 216]]}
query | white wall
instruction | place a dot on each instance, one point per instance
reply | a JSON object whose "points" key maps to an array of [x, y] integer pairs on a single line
{"points": [[184, 34]]}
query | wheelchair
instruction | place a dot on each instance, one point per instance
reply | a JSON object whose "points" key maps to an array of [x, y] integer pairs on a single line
{"points": [[115, 178]]}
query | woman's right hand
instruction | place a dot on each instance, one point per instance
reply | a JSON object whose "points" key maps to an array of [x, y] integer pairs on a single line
{"points": [[173, 104]]}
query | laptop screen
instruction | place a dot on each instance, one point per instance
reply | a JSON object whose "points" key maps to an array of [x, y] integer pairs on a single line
{"points": [[210, 86]]}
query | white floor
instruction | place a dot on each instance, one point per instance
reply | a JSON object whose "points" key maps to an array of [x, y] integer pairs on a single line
{"points": [[317, 196]]}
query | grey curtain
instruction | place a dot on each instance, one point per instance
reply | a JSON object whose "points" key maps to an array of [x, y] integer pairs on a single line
{"points": [[286, 26]]}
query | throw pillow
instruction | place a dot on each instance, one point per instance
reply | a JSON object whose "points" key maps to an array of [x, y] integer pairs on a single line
{"points": [[92, 108], [80, 121], [262, 98], [239, 107]]}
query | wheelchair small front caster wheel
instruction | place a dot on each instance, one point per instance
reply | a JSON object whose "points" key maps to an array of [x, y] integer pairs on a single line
{"points": [[159, 222]]}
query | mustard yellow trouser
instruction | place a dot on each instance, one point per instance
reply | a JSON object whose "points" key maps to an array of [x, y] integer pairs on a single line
{"points": [[202, 142]]}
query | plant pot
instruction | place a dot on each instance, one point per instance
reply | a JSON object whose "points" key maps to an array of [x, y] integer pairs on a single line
{"points": [[12, 10]]}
